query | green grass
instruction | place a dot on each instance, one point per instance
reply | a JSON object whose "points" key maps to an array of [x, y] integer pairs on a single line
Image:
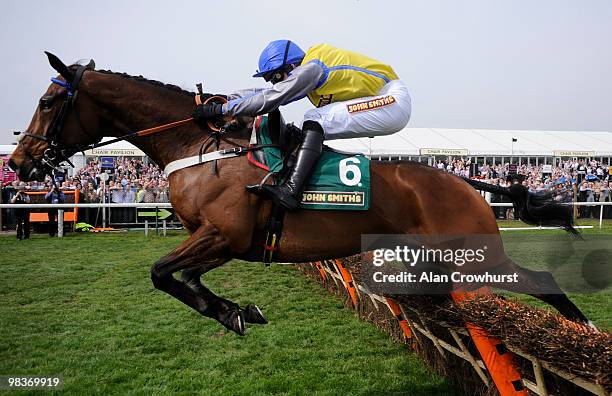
{"points": [[553, 251], [606, 226], [84, 307]]}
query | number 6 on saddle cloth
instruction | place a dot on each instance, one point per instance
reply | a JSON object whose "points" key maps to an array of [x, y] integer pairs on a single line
{"points": [[339, 181]]}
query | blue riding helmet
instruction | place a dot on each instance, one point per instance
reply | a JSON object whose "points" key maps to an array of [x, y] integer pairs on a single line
{"points": [[278, 54]]}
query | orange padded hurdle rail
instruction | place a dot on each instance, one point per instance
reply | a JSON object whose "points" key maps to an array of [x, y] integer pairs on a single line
{"points": [[44, 217], [321, 270], [497, 359], [348, 281], [403, 323]]}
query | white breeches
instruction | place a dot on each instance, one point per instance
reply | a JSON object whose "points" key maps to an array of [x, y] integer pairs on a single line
{"points": [[384, 114]]}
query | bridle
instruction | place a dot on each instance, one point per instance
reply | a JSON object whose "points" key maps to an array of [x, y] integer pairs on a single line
{"points": [[56, 152]]}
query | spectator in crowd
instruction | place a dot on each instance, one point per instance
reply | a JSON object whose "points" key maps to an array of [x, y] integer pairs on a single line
{"points": [[496, 198], [150, 192], [163, 195], [130, 195], [592, 196], [606, 196], [583, 193], [90, 194], [55, 196], [140, 193], [581, 171], [22, 215], [116, 192]]}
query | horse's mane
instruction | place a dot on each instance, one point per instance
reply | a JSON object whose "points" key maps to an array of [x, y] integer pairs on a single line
{"points": [[171, 87]]}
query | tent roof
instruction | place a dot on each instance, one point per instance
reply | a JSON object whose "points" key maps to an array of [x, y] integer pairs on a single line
{"points": [[409, 141]]}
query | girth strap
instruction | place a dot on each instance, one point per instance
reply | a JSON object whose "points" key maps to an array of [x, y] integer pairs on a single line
{"points": [[274, 231], [202, 159]]}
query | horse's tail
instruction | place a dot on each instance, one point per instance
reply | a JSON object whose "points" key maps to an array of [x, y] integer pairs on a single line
{"points": [[537, 209]]}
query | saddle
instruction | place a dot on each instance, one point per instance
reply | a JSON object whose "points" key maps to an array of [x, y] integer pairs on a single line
{"points": [[340, 181], [287, 136]]}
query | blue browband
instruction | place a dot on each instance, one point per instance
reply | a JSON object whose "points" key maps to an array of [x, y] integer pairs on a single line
{"points": [[62, 84]]}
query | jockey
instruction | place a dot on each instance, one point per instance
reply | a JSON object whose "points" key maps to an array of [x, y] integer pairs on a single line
{"points": [[355, 96]]}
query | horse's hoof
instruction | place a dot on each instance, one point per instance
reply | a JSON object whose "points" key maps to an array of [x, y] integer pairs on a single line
{"points": [[252, 314], [236, 322]]}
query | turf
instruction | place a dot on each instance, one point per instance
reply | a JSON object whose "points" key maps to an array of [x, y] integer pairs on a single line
{"points": [[84, 307], [553, 251]]}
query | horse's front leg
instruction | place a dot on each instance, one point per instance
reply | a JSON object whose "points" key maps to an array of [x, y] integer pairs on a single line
{"points": [[206, 246]]}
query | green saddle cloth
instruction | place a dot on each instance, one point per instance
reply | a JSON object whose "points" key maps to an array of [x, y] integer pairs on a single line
{"points": [[339, 181]]}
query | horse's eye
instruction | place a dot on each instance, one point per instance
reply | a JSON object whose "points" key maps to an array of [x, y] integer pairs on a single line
{"points": [[46, 102]]}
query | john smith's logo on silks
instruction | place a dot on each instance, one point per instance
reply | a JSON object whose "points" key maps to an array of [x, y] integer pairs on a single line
{"points": [[324, 100], [370, 104], [335, 198]]}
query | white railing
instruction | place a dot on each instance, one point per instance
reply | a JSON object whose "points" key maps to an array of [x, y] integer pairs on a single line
{"points": [[60, 210], [600, 204], [157, 205], [87, 205]]}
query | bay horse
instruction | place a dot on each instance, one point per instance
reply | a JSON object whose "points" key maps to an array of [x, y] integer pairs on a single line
{"points": [[226, 222]]}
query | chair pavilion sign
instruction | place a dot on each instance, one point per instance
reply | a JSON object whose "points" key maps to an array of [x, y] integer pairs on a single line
{"points": [[443, 151]]}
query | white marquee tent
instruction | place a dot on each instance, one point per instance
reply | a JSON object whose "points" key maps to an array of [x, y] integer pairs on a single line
{"points": [[479, 142], [412, 142]]}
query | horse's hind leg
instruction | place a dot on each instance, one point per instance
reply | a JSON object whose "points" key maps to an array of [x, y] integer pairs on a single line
{"points": [[208, 245], [541, 285], [191, 277]]}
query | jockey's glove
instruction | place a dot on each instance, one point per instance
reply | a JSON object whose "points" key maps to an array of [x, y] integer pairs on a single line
{"points": [[207, 111]]}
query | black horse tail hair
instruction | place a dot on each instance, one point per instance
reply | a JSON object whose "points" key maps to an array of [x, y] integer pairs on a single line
{"points": [[540, 209]]}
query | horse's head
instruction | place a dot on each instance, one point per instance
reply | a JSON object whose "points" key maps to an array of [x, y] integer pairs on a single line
{"points": [[61, 125]]}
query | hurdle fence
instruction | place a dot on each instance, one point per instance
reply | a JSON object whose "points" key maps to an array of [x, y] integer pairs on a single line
{"points": [[492, 362]]}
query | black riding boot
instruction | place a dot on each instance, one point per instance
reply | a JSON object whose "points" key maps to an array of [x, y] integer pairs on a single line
{"points": [[289, 194]]}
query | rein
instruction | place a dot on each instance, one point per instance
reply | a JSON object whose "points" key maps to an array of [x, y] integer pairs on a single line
{"points": [[57, 153], [80, 148], [165, 127], [142, 132]]}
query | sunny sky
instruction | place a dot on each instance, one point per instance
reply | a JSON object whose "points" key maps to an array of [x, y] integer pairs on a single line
{"points": [[515, 64]]}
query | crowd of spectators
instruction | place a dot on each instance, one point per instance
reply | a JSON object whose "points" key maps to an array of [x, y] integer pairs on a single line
{"points": [[579, 180], [131, 180], [458, 166]]}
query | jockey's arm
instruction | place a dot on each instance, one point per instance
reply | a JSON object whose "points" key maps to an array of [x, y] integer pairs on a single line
{"points": [[298, 84]]}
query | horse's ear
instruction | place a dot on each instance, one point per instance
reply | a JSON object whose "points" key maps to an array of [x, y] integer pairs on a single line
{"points": [[61, 68]]}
